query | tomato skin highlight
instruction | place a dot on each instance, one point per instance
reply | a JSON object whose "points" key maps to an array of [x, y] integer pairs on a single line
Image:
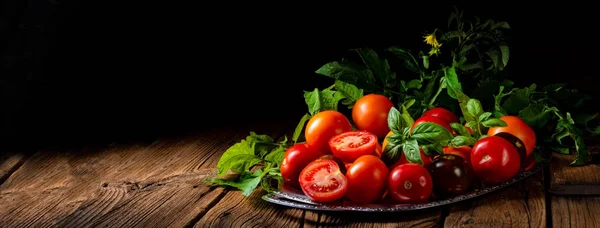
{"points": [[410, 183], [495, 160], [443, 114], [517, 127], [367, 179], [322, 181], [370, 113], [351, 145], [294, 160], [425, 119], [324, 125]]}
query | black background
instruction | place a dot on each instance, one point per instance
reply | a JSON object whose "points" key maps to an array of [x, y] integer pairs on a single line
{"points": [[81, 72]]}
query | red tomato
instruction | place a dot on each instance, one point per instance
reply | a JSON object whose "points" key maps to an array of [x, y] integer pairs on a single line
{"points": [[463, 151], [425, 119], [495, 160], [294, 160], [324, 125], [349, 146], [426, 159], [322, 181], [517, 127], [443, 114], [370, 113], [410, 183], [367, 179]]}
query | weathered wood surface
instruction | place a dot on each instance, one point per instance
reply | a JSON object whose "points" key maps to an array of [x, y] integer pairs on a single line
{"points": [[521, 205], [122, 185], [160, 184], [569, 180]]}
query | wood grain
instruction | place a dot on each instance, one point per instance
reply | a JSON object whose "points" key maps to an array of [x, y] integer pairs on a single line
{"points": [[571, 180], [10, 164], [520, 205], [236, 210], [159, 184], [575, 211], [421, 218]]}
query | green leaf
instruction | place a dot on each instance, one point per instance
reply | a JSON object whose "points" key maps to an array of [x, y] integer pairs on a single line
{"points": [[484, 116], [495, 56], [554, 87], [584, 118], [502, 25], [596, 131], [318, 101], [452, 82], [460, 129], [411, 151], [517, 101], [493, 122], [414, 84], [247, 181], [432, 149], [300, 127], [560, 149], [462, 141], [241, 156], [393, 150], [535, 115], [428, 133], [425, 61], [471, 124], [350, 92], [474, 107], [349, 72], [380, 67], [505, 54], [276, 156], [395, 121]]}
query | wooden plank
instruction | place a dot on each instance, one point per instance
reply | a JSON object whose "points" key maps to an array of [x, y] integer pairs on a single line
{"points": [[122, 185], [570, 180], [520, 205], [421, 218], [10, 164], [575, 211], [236, 210]]}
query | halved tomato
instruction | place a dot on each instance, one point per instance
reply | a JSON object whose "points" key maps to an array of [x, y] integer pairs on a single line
{"points": [[322, 181], [349, 146]]}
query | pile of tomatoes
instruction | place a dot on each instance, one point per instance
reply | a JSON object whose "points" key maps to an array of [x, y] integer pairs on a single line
{"points": [[338, 162]]}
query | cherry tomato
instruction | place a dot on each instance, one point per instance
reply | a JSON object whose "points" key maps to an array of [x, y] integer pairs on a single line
{"points": [[495, 160], [410, 183], [517, 127], [349, 146], [294, 160], [425, 119], [443, 114], [463, 151], [324, 125], [367, 179], [322, 181], [424, 158], [370, 113], [450, 174]]}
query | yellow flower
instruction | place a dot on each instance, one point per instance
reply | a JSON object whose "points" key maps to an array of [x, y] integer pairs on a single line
{"points": [[431, 40]]}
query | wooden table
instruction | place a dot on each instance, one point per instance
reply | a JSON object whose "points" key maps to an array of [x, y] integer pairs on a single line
{"points": [[159, 183]]}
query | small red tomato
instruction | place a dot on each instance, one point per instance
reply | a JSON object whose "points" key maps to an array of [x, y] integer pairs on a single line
{"points": [[495, 160], [367, 179], [443, 114], [294, 160], [410, 183]]}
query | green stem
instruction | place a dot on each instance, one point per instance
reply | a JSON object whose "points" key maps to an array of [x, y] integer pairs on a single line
{"points": [[331, 87], [436, 95]]}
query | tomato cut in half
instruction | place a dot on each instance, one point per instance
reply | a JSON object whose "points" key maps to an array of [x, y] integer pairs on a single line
{"points": [[349, 146], [322, 181]]}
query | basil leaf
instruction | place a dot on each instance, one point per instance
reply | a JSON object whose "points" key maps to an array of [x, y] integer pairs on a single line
{"points": [[494, 123], [484, 116], [393, 150], [460, 129], [462, 141], [428, 133], [474, 107], [411, 151], [395, 121]]}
